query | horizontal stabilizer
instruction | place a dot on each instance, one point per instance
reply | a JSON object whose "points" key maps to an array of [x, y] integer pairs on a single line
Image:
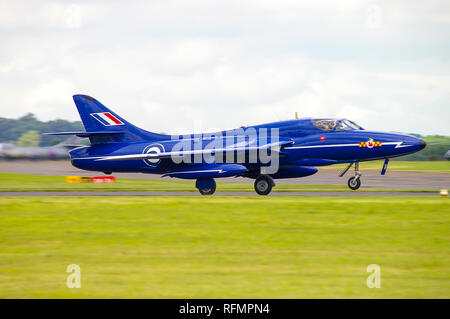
{"points": [[86, 134]]}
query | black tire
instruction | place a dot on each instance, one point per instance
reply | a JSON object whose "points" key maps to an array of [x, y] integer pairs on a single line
{"points": [[354, 183], [208, 191], [263, 185]]}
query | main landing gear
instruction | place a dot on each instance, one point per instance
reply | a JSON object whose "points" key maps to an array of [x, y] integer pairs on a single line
{"points": [[353, 182], [264, 184], [206, 186]]}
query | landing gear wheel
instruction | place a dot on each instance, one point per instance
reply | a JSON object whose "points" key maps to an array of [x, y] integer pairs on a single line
{"points": [[208, 191], [354, 183], [208, 187], [263, 185]]}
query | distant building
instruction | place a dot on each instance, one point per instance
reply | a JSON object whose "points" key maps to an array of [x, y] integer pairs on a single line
{"points": [[56, 152]]}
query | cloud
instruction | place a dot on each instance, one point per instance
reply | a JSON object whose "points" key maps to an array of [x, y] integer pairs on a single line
{"points": [[174, 66]]}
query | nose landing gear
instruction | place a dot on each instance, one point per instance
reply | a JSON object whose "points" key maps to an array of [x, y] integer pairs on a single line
{"points": [[353, 182]]}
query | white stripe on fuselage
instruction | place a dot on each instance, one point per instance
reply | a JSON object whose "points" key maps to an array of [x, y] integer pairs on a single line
{"points": [[398, 145], [317, 146], [220, 171]]}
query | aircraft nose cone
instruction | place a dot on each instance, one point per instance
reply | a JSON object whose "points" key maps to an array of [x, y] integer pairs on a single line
{"points": [[422, 144]]}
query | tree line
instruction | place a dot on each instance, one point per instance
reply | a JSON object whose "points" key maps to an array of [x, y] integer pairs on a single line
{"points": [[26, 130]]}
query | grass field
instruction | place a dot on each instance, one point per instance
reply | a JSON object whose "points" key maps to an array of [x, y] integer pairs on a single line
{"points": [[230, 247], [41, 183]]}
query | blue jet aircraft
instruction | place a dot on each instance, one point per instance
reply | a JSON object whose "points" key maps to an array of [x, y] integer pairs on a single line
{"points": [[297, 146]]}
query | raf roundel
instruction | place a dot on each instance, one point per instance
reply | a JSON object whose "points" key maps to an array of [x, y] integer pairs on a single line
{"points": [[153, 149], [370, 143]]}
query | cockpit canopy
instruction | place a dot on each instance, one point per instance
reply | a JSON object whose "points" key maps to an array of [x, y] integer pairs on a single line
{"points": [[335, 125]]}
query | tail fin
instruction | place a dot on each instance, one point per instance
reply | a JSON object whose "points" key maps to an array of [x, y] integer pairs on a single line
{"points": [[100, 120]]}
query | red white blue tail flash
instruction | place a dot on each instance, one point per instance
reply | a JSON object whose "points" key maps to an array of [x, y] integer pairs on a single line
{"points": [[107, 119]]}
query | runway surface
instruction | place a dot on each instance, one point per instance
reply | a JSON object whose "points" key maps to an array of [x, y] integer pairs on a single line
{"points": [[297, 194], [325, 176]]}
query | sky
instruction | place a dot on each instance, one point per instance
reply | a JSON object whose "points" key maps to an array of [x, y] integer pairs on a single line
{"points": [[201, 65]]}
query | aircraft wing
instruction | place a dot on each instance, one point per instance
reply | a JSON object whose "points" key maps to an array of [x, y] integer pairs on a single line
{"points": [[207, 171], [275, 146]]}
